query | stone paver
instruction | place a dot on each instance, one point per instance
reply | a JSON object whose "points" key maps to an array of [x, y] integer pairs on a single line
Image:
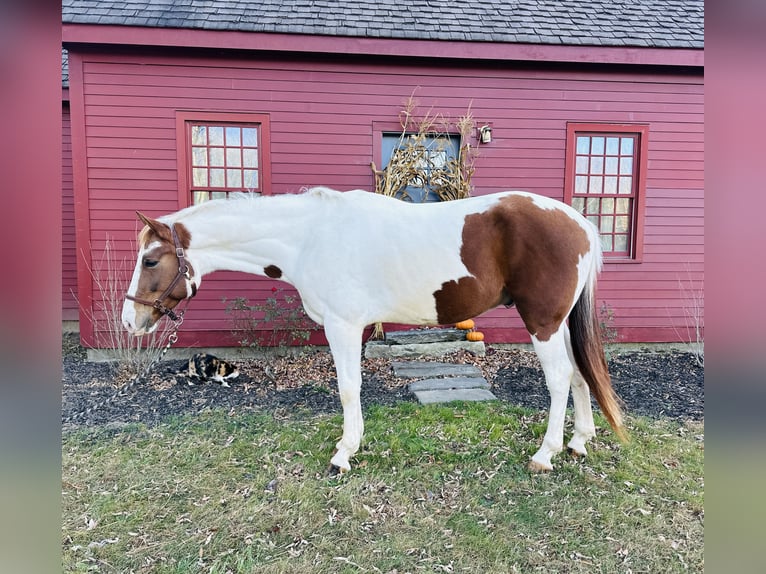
{"points": [[438, 382], [381, 349], [446, 396], [417, 369], [444, 384]]}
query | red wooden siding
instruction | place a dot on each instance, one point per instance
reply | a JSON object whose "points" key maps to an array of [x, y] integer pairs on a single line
{"points": [[323, 117], [68, 249]]}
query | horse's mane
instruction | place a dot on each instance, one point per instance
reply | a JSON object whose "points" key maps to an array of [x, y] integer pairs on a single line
{"points": [[318, 192]]}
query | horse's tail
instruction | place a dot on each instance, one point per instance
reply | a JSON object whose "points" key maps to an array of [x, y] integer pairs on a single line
{"points": [[588, 351]]}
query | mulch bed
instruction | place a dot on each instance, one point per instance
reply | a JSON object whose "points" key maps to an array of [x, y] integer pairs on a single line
{"points": [[667, 384]]}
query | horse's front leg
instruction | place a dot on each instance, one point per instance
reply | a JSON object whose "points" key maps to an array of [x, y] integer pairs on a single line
{"points": [[346, 346]]}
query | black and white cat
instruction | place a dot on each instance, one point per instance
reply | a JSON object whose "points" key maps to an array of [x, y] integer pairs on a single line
{"points": [[204, 367]]}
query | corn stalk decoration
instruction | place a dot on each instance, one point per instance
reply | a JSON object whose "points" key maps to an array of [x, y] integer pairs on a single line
{"points": [[421, 160]]}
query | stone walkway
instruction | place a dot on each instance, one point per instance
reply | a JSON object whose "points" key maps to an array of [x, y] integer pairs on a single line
{"points": [[443, 382], [436, 382]]}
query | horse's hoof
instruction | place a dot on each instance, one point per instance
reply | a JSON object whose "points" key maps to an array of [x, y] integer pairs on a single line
{"points": [[537, 467], [576, 453], [334, 470]]}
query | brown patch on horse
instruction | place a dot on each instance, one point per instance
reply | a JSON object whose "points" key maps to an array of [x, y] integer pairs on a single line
{"points": [[517, 253], [273, 271]]}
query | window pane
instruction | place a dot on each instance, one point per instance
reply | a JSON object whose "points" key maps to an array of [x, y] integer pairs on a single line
{"points": [[605, 184], [597, 146], [233, 157], [250, 157], [199, 156], [234, 178], [595, 184], [216, 178], [232, 137], [437, 158], [250, 137], [623, 205], [199, 177], [251, 179], [216, 156], [621, 224], [199, 135], [215, 133], [224, 158]]}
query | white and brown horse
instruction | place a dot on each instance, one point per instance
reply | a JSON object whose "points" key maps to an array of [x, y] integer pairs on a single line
{"points": [[358, 258]]}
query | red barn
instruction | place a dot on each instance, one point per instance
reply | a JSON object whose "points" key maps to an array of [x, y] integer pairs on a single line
{"points": [[598, 104]]}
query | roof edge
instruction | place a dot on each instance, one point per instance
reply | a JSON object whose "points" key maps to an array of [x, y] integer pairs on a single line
{"points": [[442, 49]]}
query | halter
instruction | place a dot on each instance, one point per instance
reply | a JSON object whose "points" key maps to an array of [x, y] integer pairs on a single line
{"points": [[183, 271]]}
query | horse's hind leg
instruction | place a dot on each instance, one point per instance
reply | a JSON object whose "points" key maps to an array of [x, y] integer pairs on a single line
{"points": [[584, 429], [559, 371], [346, 347]]}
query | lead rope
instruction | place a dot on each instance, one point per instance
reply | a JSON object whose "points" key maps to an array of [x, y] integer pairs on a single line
{"points": [[135, 379]]}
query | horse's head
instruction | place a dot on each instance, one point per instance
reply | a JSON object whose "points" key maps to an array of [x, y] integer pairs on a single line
{"points": [[162, 278]]}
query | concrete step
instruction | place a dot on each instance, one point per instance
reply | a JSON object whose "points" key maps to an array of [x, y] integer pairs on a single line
{"points": [[420, 336], [419, 369], [422, 343], [381, 349], [449, 383], [449, 395]]}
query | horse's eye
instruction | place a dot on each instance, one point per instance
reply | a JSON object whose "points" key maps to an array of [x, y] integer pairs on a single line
{"points": [[149, 263]]}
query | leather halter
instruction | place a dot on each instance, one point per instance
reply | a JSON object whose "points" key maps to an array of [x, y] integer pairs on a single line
{"points": [[183, 272]]}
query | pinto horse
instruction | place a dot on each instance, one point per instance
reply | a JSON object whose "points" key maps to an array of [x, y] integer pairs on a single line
{"points": [[358, 258]]}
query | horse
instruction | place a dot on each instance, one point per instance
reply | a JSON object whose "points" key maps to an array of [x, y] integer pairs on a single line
{"points": [[358, 258]]}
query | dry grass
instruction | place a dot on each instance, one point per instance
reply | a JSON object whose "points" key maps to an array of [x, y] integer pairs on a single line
{"points": [[111, 277]]}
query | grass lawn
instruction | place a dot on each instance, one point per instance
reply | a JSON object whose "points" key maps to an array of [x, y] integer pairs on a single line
{"points": [[433, 489]]}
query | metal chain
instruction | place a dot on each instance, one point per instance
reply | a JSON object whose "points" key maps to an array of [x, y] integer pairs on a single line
{"points": [[135, 379]]}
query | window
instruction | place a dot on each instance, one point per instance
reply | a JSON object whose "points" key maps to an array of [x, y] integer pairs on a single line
{"points": [[605, 181], [431, 157], [223, 153]]}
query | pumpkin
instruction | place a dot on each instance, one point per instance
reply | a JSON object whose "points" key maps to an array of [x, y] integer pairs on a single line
{"points": [[466, 325], [474, 336]]}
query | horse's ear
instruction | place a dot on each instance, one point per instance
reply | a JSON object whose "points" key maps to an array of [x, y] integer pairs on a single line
{"points": [[145, 220], [153, 224]]}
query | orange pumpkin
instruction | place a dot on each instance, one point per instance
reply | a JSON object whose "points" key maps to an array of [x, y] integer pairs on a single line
{"points": [[474, 336], [466, 325]]}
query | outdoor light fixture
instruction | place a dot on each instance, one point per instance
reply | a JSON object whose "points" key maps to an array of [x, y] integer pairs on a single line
{"points": [[485, 133]]}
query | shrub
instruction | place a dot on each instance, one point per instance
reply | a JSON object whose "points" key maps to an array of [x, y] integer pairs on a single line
{"points": [[279, 321]]}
